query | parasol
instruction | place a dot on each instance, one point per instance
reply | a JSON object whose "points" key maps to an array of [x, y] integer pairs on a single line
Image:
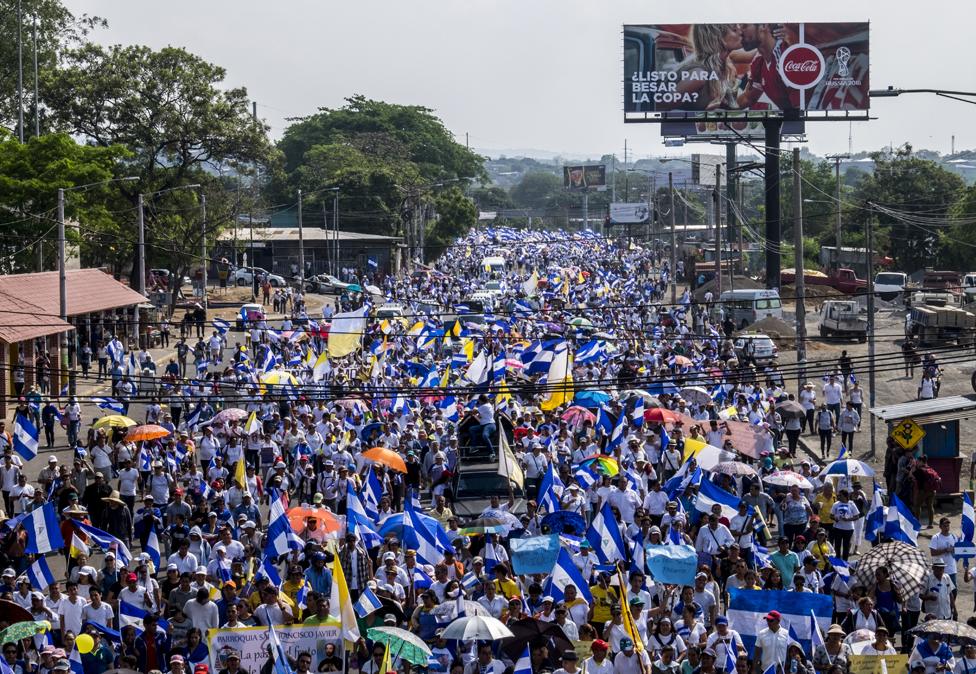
{"points": [[946, 630], [114, 421], [851, 467], [279, 378], [229, 414], [601, 465], [298, 516], [661, 415], [477, 627], [907, 565], [591, 399], [402, 643], [23, 630], [696, 395], [576, 416], [733, 468], [787, 478], [387, 457], [560, 520], [533, 632], [790, 409], [146, 432]]}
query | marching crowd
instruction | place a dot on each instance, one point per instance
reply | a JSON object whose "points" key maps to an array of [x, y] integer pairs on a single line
{"points": [[628, 429]]}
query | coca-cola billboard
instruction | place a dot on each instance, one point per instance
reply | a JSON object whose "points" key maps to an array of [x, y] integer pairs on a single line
{"points": [[747, 69]]}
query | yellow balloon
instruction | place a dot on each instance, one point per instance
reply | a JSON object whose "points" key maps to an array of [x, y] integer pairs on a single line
{"points": [[85, 643]]}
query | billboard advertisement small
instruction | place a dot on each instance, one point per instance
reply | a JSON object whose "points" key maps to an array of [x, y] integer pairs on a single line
{"points": [[748, 67], [730, 130], [703, 168], [586, 176], [629, 213]]}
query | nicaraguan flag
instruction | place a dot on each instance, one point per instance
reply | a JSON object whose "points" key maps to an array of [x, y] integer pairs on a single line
{"points": [[152, 546], [875, 521], [109, 404], [617, 436], [130, 614], [221, 325], [603, 421], [268, 570], [420, 579], [747, 608], [115, 350], [25, 437], [816, 634], [368, 603], [604, 535], [490, 557], [585, 477], [524, 664], [417, 536], [372, 494], [448, 407], [281, 537], [709, 494], [367, 534], [106, 542], [550, 491], [566, 573], [637, 415], [968, 518], [43, 530], [593, 351], [74, 661], [281, 665], [841, 568], [900, 524], [39, 574]]}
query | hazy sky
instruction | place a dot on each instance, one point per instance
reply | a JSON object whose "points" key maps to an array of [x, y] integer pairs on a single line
{"points": [[537, 74]]}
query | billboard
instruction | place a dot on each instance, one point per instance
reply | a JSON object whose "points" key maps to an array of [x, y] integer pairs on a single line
{"points": [[753, 68], [730, 130], [703, 168], [629, 213], [580, 177]]}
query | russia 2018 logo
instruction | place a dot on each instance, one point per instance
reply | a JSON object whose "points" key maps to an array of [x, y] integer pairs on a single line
{"points": [[801, 66]]}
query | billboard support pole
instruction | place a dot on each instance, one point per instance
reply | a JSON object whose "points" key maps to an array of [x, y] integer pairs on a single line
{"points": [[674, 246], [730, 170], [773, 229], [586, 209], [869, 241], [718, 230], [799, 287]]}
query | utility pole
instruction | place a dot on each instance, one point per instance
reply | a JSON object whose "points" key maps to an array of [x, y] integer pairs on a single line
{"points": [[731, 218], [586, 208], [801, 325], [718, 231], [674, 245], [869, 238], [37, 106], [203, 247], [837, 158], [301, 245], [254, 277], [66, 350], [335, 225], [141, 266], [20, 72]]}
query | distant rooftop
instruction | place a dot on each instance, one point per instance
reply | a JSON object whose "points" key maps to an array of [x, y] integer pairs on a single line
{"points": [[308, 233]]}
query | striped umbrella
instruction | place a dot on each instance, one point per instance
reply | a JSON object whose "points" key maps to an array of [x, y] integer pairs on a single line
{"points": [[907, 565]]}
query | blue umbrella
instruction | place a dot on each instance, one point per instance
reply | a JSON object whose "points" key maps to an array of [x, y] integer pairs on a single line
{"points": [[394, 525], [561, 520], [591, 399], [368, 429], [660, 388], [849, 467]]}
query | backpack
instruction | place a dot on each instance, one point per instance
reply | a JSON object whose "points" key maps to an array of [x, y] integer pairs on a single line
{"points": [[928, 478]]}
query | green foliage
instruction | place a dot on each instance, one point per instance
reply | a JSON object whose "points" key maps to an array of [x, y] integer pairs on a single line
{"points": [[959, 242], [538, 189], [492, 198], [456, 214]]}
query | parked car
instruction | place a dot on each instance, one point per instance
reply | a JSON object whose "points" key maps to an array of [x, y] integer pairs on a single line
{"points": [[325, 283], [843, 317], [969, 286], [844, 280], [889, 284], [249, 314], [244, 276], [760, 348]]}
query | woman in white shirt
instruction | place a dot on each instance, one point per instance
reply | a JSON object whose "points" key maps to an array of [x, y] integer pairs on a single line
{"points": [[881, 644]]}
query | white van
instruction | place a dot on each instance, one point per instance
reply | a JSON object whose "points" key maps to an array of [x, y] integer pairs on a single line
{"points": [[748, 306], [493, 265]]}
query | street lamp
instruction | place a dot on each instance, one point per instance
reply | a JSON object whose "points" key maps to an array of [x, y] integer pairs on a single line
{"points": [[891, 92], [62, 273]]}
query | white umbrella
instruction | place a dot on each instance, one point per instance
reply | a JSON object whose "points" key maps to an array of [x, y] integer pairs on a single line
{"points": [[734, 468], [710, 456], [787, 478], [851, 467], [696, 394], [477, 627]]}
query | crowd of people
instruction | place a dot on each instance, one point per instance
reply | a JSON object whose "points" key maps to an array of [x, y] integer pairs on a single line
{"points": [[619, 422]]}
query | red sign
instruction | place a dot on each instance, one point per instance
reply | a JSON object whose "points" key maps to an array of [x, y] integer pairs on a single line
{"points": [[802, 66]]}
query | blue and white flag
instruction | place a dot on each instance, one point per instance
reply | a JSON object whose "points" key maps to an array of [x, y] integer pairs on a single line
{"points": [[281, 537], [585, 477], [365, 531], [747, 609], [841, 568], [39, 574], [417, 536], [25, 437], [816, 634], [130, 614], [448, 407], [152, 546], [617, 435], [268, 570], [709, 494], [968, 518], [109, 404], [637, 414], [603, 421], [524, 663], [604, 536], [593, 351], [43, 530], [367, 603], [372, 494], [115, 350], [74, 661], [900, 524], [550, 491], [281, 665], [874, 522], [106, 542], [420, 579], [490, 556], [566, 573], [221, 325]]}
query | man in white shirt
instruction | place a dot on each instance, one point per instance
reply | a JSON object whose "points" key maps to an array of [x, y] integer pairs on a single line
{"points": [[937, 593], [833, 395], [70, 610], [771, 644], [598, 663], [97, 610], [624, 499], [942, 547], [713, 538], [629, 661], [201, 611], [656, 501]]}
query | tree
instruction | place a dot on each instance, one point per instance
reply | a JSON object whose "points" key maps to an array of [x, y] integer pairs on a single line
{"points": [[456, 214], [537, 189], [30, 175], [167, 108], [959, 242], [901, 188], [492, 198]]}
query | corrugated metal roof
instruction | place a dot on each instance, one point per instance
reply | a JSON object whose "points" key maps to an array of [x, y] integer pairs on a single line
{"points": [[929, 411], [32, 300], [243, 234]]}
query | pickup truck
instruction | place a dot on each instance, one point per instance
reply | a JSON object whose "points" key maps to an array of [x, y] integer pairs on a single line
{"points": [[944, 281], [843, 317], [969, 286], [844, 280]]}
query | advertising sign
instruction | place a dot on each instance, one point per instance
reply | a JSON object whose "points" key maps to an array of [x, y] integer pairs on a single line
{"points": [[323, 642], [536, 554], [754, 68], [703, 168], [629, 214], [592, 176], [731, 130]]}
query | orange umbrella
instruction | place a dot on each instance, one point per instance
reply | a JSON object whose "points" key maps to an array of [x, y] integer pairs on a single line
{"points": [[298, 517], [387, 457], [661, 415], [146, 432]]}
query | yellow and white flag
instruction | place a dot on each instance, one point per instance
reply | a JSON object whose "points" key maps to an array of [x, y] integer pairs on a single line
{"points": [[341, 600], [253, 425], [508, 465], [346, 332]]}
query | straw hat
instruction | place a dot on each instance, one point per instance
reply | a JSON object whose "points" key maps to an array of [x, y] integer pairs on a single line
{"points": [[114, 498]]}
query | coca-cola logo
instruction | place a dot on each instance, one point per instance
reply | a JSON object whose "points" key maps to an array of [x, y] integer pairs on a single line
{"points": [[801, 66]]}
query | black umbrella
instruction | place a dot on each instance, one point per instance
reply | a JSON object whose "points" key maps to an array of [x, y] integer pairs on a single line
{"points": [[946, 630], [790, 409], [534, 633]]}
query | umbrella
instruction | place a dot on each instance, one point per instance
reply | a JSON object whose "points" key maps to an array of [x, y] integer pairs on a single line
{"points": [[298, 516], [661, 415], [787, 478], [352, 404], [591, 399], [480, 627], [387, 457], [860, 639], [851, 467], [682, 361], [532, 632], [146, 432], [373, 290], [790, 409], [402, 643], [696, 394], [368, 430], [354, 288], [576, 416], [229, 414], [662, 387], [581, 323], [600, 464], [14, 613], [641, 393], [565, 522], [947, 630], [485, 525], [447, 611], [733, 468], [908, 566], [22, 630], [279, 378], [114, 421]]}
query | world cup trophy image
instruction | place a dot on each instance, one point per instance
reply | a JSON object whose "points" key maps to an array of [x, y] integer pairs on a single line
{"points": [[843, 55]]}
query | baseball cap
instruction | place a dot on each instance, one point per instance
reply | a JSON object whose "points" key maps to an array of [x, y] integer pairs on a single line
{"points": [[599, 645], [626, 643], [131, 578], [176, 658], [773, 615], [721, 620]]}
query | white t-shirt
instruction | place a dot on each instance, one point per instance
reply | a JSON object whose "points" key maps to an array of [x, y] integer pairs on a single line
{"points": [[102, 615], [72, 613], [128, 481]]}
